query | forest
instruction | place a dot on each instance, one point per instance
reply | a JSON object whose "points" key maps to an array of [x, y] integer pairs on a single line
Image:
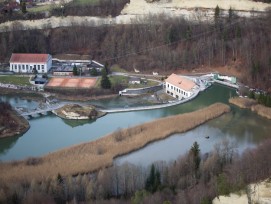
{"points": [[192, 178], [160, 44]]}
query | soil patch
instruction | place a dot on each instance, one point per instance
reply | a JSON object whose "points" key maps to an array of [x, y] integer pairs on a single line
{"points": [[78, 112]]}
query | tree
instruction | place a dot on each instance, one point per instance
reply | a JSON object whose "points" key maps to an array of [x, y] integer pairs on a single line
{"points": [[75, 70], [230, 17], [93, 72], [105, 82], [23, 6], [195, 152], [153, 181], [217, 16]]}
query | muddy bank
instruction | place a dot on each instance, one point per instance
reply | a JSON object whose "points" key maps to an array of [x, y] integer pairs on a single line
{"points": [[14, 124], [91, 156]]}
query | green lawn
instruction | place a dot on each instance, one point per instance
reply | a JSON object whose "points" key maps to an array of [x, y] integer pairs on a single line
{"points": [[85, 2], [117, 68], [16, 80], [124, 80], [42, 8]]}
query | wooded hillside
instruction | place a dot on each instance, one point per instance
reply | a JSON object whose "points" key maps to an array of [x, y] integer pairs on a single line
{"points": [[161, 44]]}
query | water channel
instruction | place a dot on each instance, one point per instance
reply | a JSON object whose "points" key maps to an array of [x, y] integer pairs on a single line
{"points": [[50, 133]]}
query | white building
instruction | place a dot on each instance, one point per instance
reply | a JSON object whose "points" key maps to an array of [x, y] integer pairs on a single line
{"points": [[179, 87], [26, 63]]}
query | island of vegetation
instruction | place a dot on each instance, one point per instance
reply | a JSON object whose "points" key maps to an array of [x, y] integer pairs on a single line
{"points": [[253, 105], [11, 123], [78, 112], [98, 154]]}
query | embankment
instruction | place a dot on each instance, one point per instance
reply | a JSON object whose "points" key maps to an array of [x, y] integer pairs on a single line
{"points": [[98, 154], [252, 105], [11, 123]]}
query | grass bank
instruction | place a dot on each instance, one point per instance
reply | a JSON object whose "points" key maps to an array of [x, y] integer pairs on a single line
{"points": [[15, 79], [252, 105], [94, 155]]}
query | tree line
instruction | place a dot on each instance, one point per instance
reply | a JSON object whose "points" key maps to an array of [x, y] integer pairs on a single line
{"points": [[192, 178]]}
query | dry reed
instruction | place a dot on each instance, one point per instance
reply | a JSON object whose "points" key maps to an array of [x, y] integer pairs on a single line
{"points": [[242, 102], [98, 154], [252, 105]]}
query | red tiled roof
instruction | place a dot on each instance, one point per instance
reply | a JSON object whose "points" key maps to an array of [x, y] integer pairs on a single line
{"points": [[28, 58], [180, 82]]}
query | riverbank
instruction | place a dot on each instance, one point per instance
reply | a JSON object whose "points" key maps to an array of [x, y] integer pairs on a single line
{"points": [[252, 105], [11, 123], [91, 156]]}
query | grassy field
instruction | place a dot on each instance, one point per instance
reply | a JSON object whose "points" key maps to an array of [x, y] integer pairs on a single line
{"points": [[16, 80], [91, 156]]}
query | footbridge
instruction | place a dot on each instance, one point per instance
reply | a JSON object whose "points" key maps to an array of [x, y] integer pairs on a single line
{"points": [[50, 108]]}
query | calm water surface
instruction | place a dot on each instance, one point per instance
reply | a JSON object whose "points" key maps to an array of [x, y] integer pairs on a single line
{"points": [[50, 133]]}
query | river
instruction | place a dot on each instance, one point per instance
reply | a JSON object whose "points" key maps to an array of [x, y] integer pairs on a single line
{"points": [[50, 133]]}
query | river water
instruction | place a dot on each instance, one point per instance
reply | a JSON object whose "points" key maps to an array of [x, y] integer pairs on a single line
{"points": [[50, 133]]}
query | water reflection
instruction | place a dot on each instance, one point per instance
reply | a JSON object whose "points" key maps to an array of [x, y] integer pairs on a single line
{"points": [[76, 123], [7, 143]]}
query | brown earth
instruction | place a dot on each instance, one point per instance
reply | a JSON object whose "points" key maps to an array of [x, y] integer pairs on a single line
{"points": [[18, 125]]}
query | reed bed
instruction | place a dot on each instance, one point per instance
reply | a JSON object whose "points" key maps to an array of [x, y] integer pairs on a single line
{"points": [[91, 156], [243, 102], [252, 105]]}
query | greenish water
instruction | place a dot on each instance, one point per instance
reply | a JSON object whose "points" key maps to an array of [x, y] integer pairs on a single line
{"points": [[50, 133]]}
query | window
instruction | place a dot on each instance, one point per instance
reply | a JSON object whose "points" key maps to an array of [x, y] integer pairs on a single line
{"points": [[15, 66], [42, 66], [26, 66], [19, 66], [171, 87], [23, 67]]}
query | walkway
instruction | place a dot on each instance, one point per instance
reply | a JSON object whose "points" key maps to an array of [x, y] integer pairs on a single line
{"points": [[116, 110]]}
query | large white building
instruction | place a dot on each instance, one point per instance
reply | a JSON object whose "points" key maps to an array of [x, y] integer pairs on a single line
{"points": [[179, 87], [27, 63]]}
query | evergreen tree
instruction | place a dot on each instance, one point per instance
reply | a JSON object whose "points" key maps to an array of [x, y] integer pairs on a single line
{"points": [[105, 82], [217, 16], [94, 72], [195, 151], [23, 6], [230, 17], [75, 70], [153, 181]]}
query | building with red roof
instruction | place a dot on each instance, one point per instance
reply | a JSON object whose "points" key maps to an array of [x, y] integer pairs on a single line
{"points": [[179, 87], [28, 63]]}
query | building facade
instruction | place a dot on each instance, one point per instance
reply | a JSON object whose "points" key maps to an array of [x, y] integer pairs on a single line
{"points": [[28, 63], [179, 87]]}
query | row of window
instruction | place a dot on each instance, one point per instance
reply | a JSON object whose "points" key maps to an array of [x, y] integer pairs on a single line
{"points": [[27, 67], [178, 90]]}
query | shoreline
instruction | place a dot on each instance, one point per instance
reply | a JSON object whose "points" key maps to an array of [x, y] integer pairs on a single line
{"points": [[98, 154], [253, 105], [23, 126]]}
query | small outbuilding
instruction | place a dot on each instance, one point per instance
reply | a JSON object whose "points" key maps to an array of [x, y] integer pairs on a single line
{"points": [[134, 80]]}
